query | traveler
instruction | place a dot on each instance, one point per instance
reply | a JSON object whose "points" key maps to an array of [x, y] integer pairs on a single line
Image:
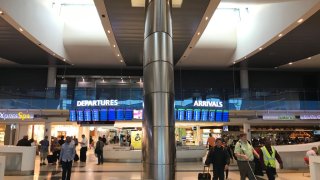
{"points": [[24, 141], [44, 149], [61, 141], [104, 139], [312, 152], [99, 150], [245, 152], [66, 157], [220, 159], [84, 148], [230, 153], [210, 141], [55, 148], [268, 156]]}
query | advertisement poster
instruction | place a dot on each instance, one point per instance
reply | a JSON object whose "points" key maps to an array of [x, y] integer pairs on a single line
{"points": [[136, 139]]}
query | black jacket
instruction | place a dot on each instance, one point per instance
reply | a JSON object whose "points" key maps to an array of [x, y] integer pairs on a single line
{"points": [[24, 142], [218, 156]]}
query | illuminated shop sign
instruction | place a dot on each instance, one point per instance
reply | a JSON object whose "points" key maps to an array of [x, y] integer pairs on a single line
{"points": [[16, 115], [86, 103], [208, 104], [278, 117], [309, 116]]}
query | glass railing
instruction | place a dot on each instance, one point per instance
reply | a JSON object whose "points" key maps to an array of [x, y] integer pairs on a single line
{"points": [[252, 99]]}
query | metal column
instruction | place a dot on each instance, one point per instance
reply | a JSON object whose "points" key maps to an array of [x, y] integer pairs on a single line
{"points": [[158, 147]]}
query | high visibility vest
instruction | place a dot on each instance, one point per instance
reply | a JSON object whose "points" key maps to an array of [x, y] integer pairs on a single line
{"points": [[269, 160]]}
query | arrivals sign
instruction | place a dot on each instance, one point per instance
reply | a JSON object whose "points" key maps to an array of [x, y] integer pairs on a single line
{"points": [[16, 115], [278, 117], [208, 104], [87, 103], [309, 116]]}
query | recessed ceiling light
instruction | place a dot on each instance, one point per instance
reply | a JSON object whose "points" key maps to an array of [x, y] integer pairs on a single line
{"points": [[20, 29], [290, 63], [309, 57], [245, 57], [64, 59], [114, 45], [207, 18], [118, 55], [300, 20], [260, 48], [121, 60], [280, 35], [276, 67], [198, 33], [109, 31], [234, 62], [1, 12]]}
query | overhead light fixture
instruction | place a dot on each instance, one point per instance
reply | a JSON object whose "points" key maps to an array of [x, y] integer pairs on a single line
{"points": [[1, 12], [245, 57], [309, 57], [114, 45], [121, 60], [64, 59], [109, 31], [290, 63], [260, 48], [276, 67], [280, 35], [198, 33], [20, 29], [234, 62], [207, 18], [300, 21], [118, 55], [141, 3]]}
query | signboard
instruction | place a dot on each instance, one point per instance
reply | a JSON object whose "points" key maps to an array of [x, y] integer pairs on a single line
{"points": [[208, 104], [309, 116], [136, 139], [16, 115], [87, 103], [278, 117]]}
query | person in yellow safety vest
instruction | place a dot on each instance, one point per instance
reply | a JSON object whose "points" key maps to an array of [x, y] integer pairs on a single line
{"points": [[268, 156]]}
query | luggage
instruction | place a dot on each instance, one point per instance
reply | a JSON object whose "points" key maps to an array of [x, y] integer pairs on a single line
{"points": [[51, 159], [76, 158], [205, 175]]}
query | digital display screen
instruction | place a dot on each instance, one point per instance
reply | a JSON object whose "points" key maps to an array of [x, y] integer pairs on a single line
{"points": [[79, 115], [103, 114], [95, 115], [204, 115], [180, 114], [212, 115], [219, 115], [112, 114], [316, 132], [72, 115], [137, 114], [196, 114], [189, 114], [128, 114], [120, 114], [87, 115], [225, 128], [225, 116]]}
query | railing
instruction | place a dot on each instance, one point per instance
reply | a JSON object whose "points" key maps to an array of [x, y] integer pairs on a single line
{"points": [[253, 99]]}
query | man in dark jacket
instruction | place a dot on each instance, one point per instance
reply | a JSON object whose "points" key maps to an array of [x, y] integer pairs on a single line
{"points": [[24, 141], [220, 159]]}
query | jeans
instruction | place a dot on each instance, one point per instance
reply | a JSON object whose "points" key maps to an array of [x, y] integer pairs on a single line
{"points": [[66, 170], [100, 158], [83, 154]]}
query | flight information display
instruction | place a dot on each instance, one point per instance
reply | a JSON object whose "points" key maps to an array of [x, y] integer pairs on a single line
{"points": [[72, 115], [225, 116], [180, 114], [212, 115], [204, 115], [87, 115], [189, 114], [219, 115], [112, 114], [103, 114], [128, 114], [95, 115], [120, 114], [196, 114], [80, 115]]}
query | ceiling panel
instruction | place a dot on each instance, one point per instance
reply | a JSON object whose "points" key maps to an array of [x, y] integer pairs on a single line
{"points": [[17, 48], [128, 26]]}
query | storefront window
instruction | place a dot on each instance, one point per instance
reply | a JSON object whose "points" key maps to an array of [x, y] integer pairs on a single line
{"points": [[2, 133]]}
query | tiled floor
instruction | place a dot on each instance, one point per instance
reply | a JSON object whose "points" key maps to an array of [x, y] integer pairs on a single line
{"points": [[132, 171]]}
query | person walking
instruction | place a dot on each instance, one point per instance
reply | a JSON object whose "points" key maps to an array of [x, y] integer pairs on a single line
{"points": [[24, 141], [44, 149], [244, 153], [83, 149], [99, 150], [268, 156], [219, 157], [210, 141], [66, 157]]}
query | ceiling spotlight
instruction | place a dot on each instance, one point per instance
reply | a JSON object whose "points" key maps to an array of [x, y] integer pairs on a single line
{"points": [[1, 12], [109, 31], [290, 63], [276, 67], [260, 48], [118, 55], [114, 45], [198, 33], [280, 35], [20, 29], [207, 18], [121, 60], [309, 57], [234, 62], [245, 57], [64, 59], [300, 20]]}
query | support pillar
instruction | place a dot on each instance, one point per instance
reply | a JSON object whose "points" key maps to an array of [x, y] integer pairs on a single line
{"points": [[247, 130], [244, 83], [158, 147], [51, 81]]}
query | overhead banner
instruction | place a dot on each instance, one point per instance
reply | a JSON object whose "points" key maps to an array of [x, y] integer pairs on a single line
{"points": [[136, 139], [278, 117]]}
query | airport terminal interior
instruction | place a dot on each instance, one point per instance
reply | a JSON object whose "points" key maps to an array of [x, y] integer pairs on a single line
{"points": [[151, 87]]}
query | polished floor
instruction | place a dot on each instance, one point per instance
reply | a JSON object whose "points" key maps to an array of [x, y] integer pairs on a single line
{"points": [[131, 171]]}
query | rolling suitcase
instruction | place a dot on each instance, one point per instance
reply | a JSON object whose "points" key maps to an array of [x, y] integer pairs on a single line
{"points": [[51, 159], [205, 175]]}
